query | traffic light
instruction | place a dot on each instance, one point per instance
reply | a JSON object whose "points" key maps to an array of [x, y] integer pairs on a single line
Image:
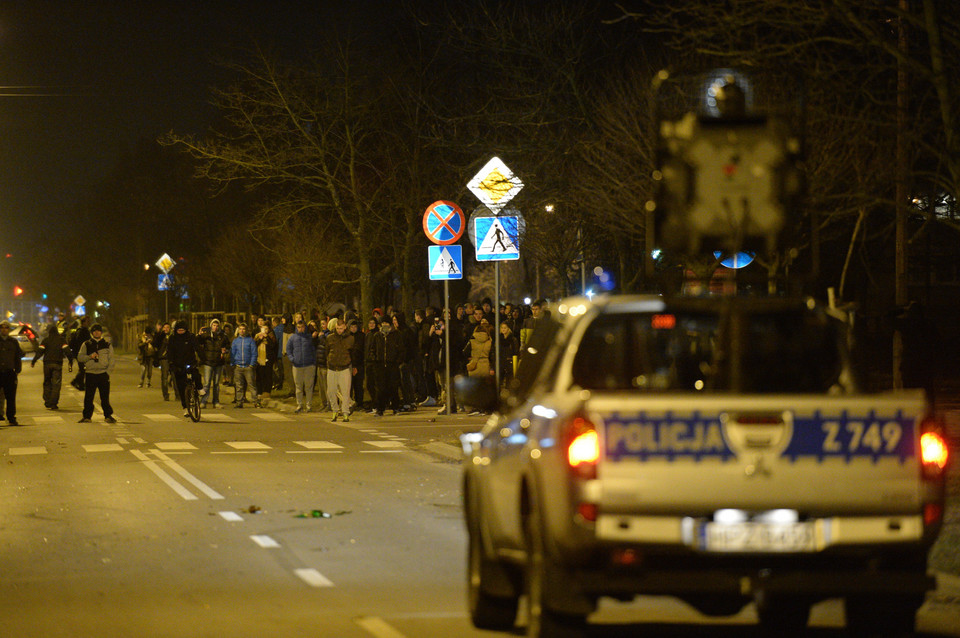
{"points": [[17, 291]]}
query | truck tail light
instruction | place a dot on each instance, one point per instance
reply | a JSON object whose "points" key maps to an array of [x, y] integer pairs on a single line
{"points": [[583, 447], [934, 453]]}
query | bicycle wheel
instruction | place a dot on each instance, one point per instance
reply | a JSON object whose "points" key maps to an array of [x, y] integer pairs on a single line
{"points": [[193, 402]]}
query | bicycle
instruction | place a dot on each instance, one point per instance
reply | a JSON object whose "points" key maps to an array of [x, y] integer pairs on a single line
{"points": [[191, 394], [193, 402]]}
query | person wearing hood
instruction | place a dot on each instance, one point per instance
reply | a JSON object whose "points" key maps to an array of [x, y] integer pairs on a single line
{"points": [[182, 350], [479, 352], [243, 355], [370, 361], [320, 334], [77, 339], [53, 349], [96, 355], [302, 354], [410, 356], [266, 343], [213, 348], [387, 356], [339, 369], [11, 363]]}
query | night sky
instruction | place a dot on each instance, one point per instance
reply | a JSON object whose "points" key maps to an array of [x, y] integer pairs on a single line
{"points": [[84, 80]]}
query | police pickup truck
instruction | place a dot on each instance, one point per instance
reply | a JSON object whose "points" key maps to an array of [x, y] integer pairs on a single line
{"points": [[715, 450]]}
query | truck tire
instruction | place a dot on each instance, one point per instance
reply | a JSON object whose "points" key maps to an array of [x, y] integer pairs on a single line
{"points": [[486, 611], [886, 616], [781, 616], [542, 620]]}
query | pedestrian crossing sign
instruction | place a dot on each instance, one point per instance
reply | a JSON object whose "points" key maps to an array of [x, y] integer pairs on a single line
{"points": [[445, 262], [497, 238]]}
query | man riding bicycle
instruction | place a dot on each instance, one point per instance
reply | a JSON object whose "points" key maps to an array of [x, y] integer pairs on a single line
{"points": [[182, 355]]}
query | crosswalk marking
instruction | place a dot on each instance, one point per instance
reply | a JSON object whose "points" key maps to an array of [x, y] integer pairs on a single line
{"points": [[103, 447], [248, 445], [162, 417], [174, 445], [22, 451], [219, 417], [48, 419], [233, 517], [271, 416], [319, 445], [385, 444]]}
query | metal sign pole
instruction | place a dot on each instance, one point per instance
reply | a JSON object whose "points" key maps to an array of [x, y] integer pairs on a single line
{"points": [[446, 338], [496, 321]]}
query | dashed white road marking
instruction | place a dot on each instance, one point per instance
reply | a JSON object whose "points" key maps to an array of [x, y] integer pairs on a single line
{"points": [[48, 419], [103, 447], [23, 451], [233, 517], [248, 445], [378, 627], [137, 439], [122, 441], [313, 578], [162, 417], [265, 541]]}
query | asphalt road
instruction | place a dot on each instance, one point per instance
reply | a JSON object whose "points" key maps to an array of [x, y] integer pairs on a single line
{"points": [[158, 526]]}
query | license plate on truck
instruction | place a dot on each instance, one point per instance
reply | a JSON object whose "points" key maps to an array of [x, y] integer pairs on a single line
{"points": [[757, 537]]}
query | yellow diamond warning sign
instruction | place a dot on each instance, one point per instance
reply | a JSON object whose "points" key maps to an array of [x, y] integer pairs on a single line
{"points": [[495, 184]]}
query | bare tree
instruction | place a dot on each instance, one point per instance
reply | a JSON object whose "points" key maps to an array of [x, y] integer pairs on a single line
{"points": [[309, 140]]}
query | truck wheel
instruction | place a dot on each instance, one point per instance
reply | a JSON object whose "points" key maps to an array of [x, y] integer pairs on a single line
{"points": [[782, 616], [486, 611], [870, 617], [542, 621]]}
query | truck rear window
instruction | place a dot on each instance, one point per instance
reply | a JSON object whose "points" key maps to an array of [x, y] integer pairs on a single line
{"points": [[785, 352]]}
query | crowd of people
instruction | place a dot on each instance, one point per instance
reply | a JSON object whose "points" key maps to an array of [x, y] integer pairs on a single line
{"points": [[339, 362]]}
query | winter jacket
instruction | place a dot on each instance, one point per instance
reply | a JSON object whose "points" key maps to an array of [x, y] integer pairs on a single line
{"points": [[53, 349], [479, 350], [243, 352], [211, 348], [104, 361], [11, 355], [301, 351], [320, 341], [182, 349], [387, 346], [79, 336], [160, 344], [357, 351], [338, 350], [370, 347]]}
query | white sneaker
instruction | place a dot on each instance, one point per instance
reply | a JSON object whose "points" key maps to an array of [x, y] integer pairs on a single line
{"points": [[186, 413], [203, 392]]}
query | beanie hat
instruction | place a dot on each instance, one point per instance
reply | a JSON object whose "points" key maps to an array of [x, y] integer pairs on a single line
{"points": [[95, 327], [214, 321]]}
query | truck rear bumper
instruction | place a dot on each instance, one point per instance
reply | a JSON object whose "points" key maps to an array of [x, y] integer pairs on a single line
{"points": [[734, 583]]}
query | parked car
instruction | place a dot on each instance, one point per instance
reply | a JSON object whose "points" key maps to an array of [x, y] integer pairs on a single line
{"points": [[28, 337]]}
